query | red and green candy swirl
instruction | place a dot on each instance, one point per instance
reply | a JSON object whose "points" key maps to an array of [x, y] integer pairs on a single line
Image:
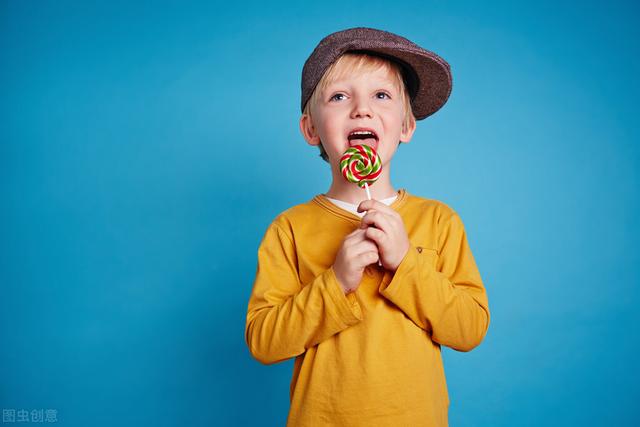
{"points": [[361, 165]]}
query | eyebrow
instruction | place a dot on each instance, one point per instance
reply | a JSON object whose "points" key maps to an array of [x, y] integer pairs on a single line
{"points": [[377, 85]]}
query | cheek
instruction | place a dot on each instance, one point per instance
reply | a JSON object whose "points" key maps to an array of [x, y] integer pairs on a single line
{"points": [[394, 112], [328, 124], [334, 133]]}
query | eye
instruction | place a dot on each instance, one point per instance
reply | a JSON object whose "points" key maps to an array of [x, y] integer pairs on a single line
{"points": [[335, 97], [384, 94]]}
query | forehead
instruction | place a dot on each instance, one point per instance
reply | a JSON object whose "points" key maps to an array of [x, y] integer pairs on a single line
{"points": [[380, 75], [372, 74]]}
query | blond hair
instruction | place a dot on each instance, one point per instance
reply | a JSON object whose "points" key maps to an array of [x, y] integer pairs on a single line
{"points": [[360, 63]]}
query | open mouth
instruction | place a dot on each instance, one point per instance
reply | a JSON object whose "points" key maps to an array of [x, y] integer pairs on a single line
{"points": [[363, 136]]}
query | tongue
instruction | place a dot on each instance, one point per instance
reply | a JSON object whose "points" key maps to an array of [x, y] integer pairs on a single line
{"points": [[367, 141]]}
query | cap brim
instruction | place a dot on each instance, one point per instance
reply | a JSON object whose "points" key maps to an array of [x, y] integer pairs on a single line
{"points": [[432, 72]]}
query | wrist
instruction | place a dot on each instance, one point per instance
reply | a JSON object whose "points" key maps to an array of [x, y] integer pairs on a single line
{"points": [[400, 259], [340, 281]]}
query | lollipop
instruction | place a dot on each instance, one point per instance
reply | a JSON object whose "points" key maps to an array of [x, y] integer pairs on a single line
{"points": [[361, 165]]}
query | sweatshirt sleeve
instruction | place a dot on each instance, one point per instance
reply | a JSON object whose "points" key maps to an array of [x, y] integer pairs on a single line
{"points": [[286, 317], [441, 290]]}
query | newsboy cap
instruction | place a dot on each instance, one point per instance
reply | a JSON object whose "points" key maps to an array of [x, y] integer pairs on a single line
{"points": [[426, 75]]}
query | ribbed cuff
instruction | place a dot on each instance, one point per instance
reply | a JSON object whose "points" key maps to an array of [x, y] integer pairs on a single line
{"points": [[347, 306]]}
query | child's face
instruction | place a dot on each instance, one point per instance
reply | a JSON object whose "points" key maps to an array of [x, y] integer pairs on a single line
{"points": [[371, 101]]}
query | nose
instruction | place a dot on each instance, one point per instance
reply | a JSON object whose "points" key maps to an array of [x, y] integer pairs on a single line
{"points": [[361, 108]]}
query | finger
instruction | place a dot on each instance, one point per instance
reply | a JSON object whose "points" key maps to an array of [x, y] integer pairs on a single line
{"points": [[358, 235], [378, 236], [366, 259], [353, 233], [365, 246], [368, 205], [378, 220], [357, 249]]}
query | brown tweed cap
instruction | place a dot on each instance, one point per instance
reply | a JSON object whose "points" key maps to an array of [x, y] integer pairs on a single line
{"points": [[427, 76]]}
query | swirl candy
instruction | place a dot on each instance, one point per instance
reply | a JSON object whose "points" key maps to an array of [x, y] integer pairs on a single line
{"points": [[361, 165]]}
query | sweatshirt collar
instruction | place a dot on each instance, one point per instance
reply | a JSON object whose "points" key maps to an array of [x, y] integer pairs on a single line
{"points": [[325, 203]]}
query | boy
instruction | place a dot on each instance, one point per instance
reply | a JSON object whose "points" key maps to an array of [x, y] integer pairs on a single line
{"points": [[364, 293]]}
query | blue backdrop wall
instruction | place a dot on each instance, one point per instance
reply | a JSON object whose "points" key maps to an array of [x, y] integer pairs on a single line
{"points": [[146, 146]]}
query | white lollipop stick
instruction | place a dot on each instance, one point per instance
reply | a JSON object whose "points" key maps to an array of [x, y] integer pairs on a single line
{"points": [[366, 187]]}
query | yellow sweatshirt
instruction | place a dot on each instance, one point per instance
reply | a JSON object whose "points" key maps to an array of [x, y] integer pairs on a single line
{"points": [[372, 357]]}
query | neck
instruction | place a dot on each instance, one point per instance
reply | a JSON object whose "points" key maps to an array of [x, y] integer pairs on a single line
{"points": [[346, 191]]}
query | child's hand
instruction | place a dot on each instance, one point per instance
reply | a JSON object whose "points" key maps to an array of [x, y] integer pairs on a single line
{"points": [[355, 254], [387, 232]]}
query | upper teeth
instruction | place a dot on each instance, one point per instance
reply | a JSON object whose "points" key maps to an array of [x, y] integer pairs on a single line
{"points": [[361, 132]]}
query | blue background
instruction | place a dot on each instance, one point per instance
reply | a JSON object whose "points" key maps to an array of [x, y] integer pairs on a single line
{"points": [[145, 147]]}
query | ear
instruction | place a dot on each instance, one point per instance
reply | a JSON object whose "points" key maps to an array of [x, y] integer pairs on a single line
{"points": [[308, 130], [407, 131]]}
